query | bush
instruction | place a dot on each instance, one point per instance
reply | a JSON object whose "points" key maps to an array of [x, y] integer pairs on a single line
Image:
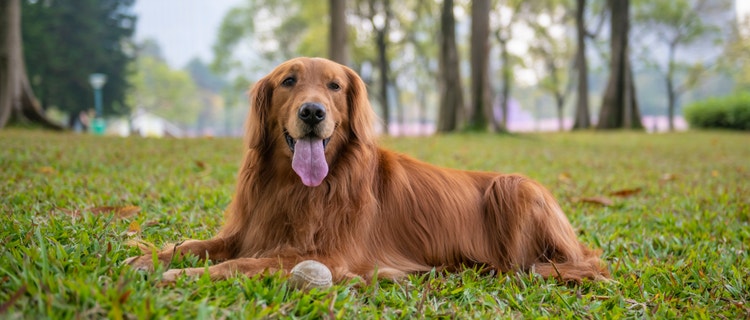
{"points": [[732, 112]]}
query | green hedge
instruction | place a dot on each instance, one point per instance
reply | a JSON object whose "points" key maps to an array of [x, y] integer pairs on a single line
{"points": [[731, 112]]}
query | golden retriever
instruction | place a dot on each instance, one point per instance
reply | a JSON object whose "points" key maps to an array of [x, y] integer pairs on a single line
{"points": [[315, 186]]}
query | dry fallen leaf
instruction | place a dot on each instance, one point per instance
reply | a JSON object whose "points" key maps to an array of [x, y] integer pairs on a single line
{"points": [[71, 212], [597, 200], [128, 211], [47, 170], [564, 177], [134, 228], [200, 164], [668, 177], [120, 212], [625, 192]]}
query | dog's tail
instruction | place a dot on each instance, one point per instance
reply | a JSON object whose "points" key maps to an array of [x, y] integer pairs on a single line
{"points": [[533, 233]]}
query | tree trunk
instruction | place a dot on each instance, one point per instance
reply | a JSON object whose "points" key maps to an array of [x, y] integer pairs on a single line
{"points": [[16, 99], [384, 71], [506, 75], [451, 92], [632, 112], [619, 104], [560, 101], [381, 44], [338, 50], [582, 118], [480, 88], [669, 79]]}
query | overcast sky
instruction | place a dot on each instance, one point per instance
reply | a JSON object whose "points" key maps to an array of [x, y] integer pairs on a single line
{"points": [[183, 28]]}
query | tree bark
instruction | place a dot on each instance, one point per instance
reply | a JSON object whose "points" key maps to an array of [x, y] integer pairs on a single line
{"points": [[381, 45], [506, 76], [451, 92], [619, 104], [582, 117], [338, 50], [669, 80], [480, 87], [16, 98]]}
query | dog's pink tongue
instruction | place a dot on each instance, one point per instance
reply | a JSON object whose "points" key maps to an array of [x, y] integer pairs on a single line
{"points": [[309, 161]]}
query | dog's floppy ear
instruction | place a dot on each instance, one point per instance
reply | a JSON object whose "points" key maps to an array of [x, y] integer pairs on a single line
{"points": [[260, 99], [361, 115]]}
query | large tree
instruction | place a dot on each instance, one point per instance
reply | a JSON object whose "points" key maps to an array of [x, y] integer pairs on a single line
{"points": [[582, 119], [65, 41], [480, 85], [337, 48], [450, 89], [619, 104], [17, 100], [680, 24]]}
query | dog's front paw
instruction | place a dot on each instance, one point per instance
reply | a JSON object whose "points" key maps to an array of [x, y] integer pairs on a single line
{"points": [[141, 263], [171, 275]]}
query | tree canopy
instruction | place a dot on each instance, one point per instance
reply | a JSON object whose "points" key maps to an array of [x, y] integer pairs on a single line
{"points": [[65, 41], [157, 88]]}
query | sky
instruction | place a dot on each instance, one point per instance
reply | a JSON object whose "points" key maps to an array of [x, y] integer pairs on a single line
{"points": [[743, 7], [187, 28], [183, 28]]}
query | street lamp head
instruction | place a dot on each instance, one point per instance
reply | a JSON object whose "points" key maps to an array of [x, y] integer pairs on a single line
{"points": [[97, 80]]}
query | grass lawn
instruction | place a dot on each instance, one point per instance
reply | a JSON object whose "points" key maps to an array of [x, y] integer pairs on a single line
{"points": [[671, 213]]}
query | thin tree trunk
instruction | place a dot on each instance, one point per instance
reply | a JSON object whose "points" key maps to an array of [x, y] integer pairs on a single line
{"points": [[633, 114], [381, 44], [582, 118], [16, 98], [480, 88], [560, 100], [506, 73], [506, 83], [384, 71], [669, 79], [451, 93], [338, 50]]}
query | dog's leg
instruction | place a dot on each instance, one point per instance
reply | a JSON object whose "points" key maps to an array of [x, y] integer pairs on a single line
{"points": [[215, 249], [533, 233]]}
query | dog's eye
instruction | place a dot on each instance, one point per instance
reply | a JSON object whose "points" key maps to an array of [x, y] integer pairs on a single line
{"points": [[334, 86], [288, 82]]}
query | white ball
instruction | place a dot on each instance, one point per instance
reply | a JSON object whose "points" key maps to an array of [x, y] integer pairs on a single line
{"points": [[310, 274]]}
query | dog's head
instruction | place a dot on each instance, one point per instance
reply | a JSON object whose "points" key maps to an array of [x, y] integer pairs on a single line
{"points": [[310, 108]]}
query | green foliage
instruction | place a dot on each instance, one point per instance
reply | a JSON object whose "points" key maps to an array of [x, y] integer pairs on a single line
{"points": [[65, 41], [677, 247], [169, 93], [679, 24], [731, 112], [274, 31], [736, 58]]}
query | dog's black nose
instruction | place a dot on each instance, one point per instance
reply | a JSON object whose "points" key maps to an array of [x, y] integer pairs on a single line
{"points": [[312, 113]]}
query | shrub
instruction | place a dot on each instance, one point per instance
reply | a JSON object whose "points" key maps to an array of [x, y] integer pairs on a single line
{"points": [[731, 112]]}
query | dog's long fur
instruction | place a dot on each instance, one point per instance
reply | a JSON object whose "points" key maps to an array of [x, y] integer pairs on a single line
{"points": [[376, 211]]}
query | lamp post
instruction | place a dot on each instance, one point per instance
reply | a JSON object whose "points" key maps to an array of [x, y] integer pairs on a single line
{"points": [[97, 81]]}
